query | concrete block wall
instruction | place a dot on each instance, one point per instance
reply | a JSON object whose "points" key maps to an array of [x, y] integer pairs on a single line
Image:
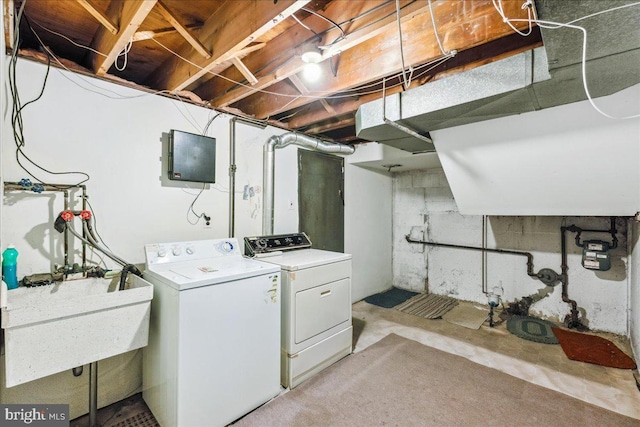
{"points": [[424, 207]]}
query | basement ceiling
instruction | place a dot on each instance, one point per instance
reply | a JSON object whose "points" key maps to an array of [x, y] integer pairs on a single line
{"points": [[245, 56]]}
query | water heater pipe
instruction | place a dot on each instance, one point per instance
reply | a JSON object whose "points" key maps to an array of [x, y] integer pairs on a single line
{"points": [[268, 169]]}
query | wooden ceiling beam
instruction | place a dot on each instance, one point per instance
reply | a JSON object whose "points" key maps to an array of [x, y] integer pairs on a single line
{"points": [[234, 26], [244, 70], [101, 17], [152, 34], [129, 14], [184, 32], [9, 23], [304, 91], [382, 56], [353, 15], [376, 26], [327, 127]]}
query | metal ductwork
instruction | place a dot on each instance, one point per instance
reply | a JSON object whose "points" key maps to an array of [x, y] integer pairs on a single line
{"points": [[542, 78], [268, 170]]}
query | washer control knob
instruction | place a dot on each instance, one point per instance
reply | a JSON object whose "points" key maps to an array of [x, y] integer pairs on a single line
{"points": [[162, 253], [226, 247], [190, 250], [177, 251]]}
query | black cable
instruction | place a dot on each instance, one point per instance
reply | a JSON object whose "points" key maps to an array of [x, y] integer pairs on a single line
{"points": [[190, 210], [17, 120]]}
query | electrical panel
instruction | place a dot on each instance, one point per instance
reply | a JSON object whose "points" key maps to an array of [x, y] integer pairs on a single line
{"points": [[191, 157], [595, 255]]}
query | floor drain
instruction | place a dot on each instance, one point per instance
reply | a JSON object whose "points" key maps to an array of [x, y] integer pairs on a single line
{"points": [[143, 419]]}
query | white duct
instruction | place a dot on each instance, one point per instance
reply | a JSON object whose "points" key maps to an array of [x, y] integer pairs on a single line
{"points": [[268, 170]]}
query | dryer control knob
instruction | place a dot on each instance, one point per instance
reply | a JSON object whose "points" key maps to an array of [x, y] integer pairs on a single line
{"points": [[190, 250], [162, 253], [177, 251]]}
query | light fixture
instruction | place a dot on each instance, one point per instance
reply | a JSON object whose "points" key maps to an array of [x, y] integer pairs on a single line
{"points": [[312, 56]]}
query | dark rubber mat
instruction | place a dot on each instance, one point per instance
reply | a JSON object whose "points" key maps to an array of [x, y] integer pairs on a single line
{"points": [[532, 329], [390, 298]]}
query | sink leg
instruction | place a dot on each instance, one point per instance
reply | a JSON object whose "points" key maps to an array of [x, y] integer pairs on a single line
{"points": [[93, 394]]}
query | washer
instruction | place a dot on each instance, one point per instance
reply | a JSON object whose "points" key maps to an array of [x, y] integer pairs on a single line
{"points": [[316, 303], [214, 338]]}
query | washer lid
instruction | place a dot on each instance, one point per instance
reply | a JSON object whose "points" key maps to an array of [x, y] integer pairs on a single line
{"points": [[205, 272], [306, 258]]}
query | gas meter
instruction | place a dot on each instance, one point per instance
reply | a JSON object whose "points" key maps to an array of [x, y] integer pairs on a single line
{"points": [[595, 255]]}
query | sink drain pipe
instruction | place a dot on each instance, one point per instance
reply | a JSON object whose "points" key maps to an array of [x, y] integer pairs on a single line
{"points": [[268, 166]]}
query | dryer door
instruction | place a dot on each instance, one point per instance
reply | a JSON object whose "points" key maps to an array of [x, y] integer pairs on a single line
{"points": [[321, 308]]}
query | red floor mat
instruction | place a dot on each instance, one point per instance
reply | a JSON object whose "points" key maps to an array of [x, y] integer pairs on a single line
{"points": [[592, 349]]}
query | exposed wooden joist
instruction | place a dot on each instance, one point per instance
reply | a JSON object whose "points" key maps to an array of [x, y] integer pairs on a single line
{"points": [[383, 56], [184, 32], [101, 17], [296, 64], [304, 91], [244, 70], [130, 14], [9, 23], [224, 34], [326, 127], [353, 14], [148, 34]]}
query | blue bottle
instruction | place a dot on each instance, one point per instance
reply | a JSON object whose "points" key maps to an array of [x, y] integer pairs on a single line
{"points": [[10, 266]]}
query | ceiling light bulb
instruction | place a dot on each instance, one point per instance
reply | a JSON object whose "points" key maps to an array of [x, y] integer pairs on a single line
{"points": [[312, 56], [312, 72]]}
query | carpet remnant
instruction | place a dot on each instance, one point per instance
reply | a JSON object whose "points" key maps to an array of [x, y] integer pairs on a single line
{"points": [[401, 382], [532, 329], [593, 349], [429, 306], [390, 298], [468, 316]]}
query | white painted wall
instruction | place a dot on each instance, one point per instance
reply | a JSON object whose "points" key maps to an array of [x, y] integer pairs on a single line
{"points": [[425, 208], [566, 160], [117, 137], [368, 229]]}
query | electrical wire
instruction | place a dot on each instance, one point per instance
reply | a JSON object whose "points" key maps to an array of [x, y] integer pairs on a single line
{"points": [[435, 32], [342, 35], [531, 14], [191, 211], [407, 83], [125, 54]]}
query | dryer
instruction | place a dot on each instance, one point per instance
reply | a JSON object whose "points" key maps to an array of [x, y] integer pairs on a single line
{"points": [[316, 303]]}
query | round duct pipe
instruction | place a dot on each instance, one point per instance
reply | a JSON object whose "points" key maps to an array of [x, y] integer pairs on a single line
{"points": [[268, 171]]}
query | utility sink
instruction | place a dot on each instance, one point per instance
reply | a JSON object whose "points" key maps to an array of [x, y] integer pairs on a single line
{"points": [[50, 329]]}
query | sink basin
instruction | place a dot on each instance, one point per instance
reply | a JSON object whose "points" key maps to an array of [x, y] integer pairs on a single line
{"points": [[49, 329]]}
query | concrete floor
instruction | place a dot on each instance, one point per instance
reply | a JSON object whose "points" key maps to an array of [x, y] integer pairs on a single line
{"points": [[542, 364]]}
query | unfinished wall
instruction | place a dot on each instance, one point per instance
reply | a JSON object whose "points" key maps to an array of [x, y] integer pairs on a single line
{"points": [[424, 207], [634, 288], [116, 135]]}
